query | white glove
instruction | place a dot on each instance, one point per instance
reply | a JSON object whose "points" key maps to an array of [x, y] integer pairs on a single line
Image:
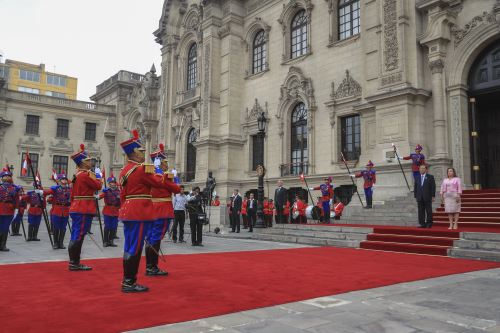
{"points": [[311, 188], [400, 158], [39, 192], [157, 162], [352, 176], [15, 212]]}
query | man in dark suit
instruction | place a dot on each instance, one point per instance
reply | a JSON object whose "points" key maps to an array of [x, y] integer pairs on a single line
{"points": [[236, 202], [424, 191], [280, 199], [251, 212]]}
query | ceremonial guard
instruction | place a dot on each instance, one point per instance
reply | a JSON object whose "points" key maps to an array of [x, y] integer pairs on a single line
{"points": [[36, 202], [417, 159], [370, 180], [59, 213], [111, 196], [136, 211], [9, 197], [326, 195], [83, 206], [299, 210], [268, 215], [164, 211], [244, 213], [18, 219]]}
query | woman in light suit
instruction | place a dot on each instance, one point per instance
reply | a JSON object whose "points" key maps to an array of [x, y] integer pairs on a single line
{"points": [[451, 190]]}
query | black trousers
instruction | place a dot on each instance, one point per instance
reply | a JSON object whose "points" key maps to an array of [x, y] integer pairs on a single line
{"points": [[196, 229], [179, 219], [236, 221], [280, 217], [424, 212], [251, 219]]}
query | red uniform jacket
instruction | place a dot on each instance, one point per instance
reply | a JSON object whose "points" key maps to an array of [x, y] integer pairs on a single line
{"points": [[60, 200], [82, 194], [369, 177], [9, 197], [339, 208], [162, 196], [111, 201], [216, 203], [33, 200], [244, 207], [300, 207], [22, 205], [417, 160], [265, 207], [286, 211], [326, 191], [136, 193], [270, 209]]}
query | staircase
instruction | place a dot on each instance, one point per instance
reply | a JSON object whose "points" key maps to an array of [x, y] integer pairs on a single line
{"points": [[338, 236], [480, 212]]}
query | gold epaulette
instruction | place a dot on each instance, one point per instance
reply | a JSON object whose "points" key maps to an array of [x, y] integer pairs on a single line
{"points": [[169, 175], [91, 175], [149, 168]]}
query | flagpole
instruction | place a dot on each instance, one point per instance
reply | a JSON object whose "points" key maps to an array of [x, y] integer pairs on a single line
{"points": [[354, 184]]}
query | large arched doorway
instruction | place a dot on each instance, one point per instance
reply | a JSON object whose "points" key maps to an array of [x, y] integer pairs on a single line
{"points": [[484, 86], [191, 155]]}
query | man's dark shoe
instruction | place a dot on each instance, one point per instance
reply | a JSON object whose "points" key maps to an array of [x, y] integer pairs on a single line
{"points": [[79, 267], [133, 288], [155, 271]]}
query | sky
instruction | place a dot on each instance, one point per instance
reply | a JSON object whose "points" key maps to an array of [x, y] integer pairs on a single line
{"points": [[87, 39]]}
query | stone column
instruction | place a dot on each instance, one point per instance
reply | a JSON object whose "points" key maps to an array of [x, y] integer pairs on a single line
{"points": [[439, 122]]}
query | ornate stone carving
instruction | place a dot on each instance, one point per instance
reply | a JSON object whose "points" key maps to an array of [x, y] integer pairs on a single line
{"points": [[460, 33], [456, 129], [390, 35], [206, 84], [255, 111], [436, 66], [290, 8], [348, 88]]}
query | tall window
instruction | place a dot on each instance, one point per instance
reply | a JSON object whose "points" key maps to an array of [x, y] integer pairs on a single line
{"points": [[32, 124], [192, 67], [191, 155], [259, 52], [299, 34], [29, 75], [62, 128], [90, 131], [299, 151], [348, 18], [351, 137], [60, 163], [55, 94], [56, 80], [257, 151], [34, 162]]}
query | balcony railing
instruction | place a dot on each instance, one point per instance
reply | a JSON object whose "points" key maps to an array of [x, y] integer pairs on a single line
{"points": [[294, 169], [124, 76]]}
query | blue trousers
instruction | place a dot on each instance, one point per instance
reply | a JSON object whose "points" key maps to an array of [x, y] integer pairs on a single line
{"points": [[326, 210], [157, 230], [80, 224], [34, 219], [110, 222], [59, 222], [368, 193], [135, 232], [5, 223]]}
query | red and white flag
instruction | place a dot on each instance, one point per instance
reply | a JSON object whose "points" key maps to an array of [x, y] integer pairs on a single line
{"points": [[37, 177], [24, 169], [302, 177], [54, 174]]}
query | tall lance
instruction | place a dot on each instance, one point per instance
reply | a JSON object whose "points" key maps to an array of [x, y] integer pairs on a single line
{"points": [[42, 202], [98, 212], [303, 177], [399, 162], [353, 183], [22, 223]]}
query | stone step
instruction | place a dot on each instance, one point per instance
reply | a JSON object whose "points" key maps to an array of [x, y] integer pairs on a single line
{"points": [[477, 245], [474, 254], [375, 213], [481, 236], [332, 228], [315, 234], [307, 240], [400, 222]]}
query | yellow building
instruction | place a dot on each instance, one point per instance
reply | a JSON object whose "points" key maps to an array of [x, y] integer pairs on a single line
{"points": [[24, 77]]}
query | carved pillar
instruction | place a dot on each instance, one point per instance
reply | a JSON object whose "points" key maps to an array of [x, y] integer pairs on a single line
{"points": [[439, 122]]}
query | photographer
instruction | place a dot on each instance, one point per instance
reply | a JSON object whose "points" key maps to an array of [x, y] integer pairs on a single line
{"points": [[180, 201], [194, 207]]}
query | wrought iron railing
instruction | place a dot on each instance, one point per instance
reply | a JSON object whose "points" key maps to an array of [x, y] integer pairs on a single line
{"points": [[296, 169]]}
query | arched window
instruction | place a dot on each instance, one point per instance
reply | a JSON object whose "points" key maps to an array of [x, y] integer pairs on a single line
{"points": [[259, 52], [348, 18], [299, 153], [299, 35], [191, 155], [192, 69]]}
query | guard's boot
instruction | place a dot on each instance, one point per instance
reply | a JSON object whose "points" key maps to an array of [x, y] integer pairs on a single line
{"points": [[153, 269], [35, 233], [60, 244], [3, 242], [106, 237], [112, 238], [55, 246], [30, 233], [130, 267], [115, 232], [370, 202], [15, 229], [74, 250]]}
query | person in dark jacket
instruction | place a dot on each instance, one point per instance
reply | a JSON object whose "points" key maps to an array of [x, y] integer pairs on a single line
{"points": [[280, 201], [236, 202], [424, 191], [195, 208]]}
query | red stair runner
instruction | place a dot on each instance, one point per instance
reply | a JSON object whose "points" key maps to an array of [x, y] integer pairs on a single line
{"points": [[480, 210]]}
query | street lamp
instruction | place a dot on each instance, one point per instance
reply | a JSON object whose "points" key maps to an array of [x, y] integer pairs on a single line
{"points": [[261, 171]]}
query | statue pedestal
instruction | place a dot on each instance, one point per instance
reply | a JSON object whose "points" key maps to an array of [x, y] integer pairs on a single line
{"points": [[218, 217]]}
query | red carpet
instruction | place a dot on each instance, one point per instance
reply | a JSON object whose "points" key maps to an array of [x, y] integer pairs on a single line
{"points": [[45, 297]]}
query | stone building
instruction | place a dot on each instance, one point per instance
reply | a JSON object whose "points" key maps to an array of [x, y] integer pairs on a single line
{"points": [[51, 129], [331, 76]]}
